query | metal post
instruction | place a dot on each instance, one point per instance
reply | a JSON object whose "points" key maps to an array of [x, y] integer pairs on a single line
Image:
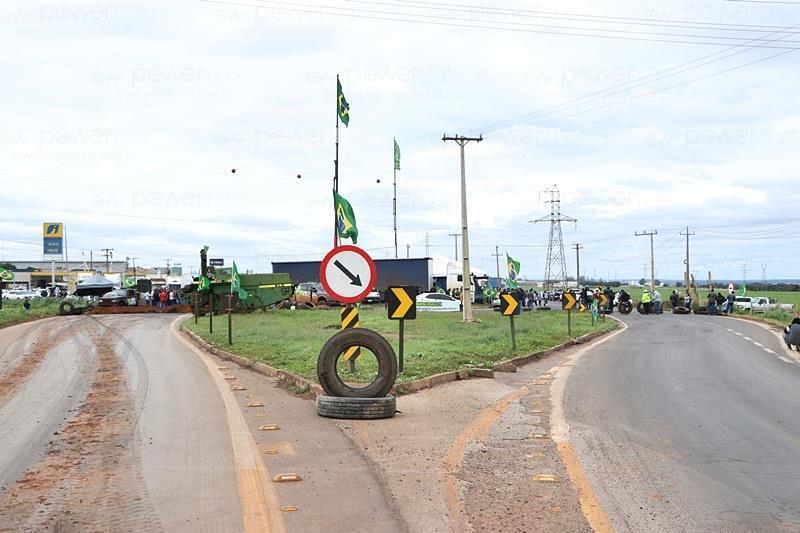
{"points": [[400, 346], [210, 311], [513, 334], [569, 323], [578, 261], [394, 198], [455, 242], [336, 167], [196, 306], [229, 297], [497, 258]]}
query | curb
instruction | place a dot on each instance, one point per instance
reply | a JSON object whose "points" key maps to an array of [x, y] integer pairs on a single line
{"points": [[399, 389], [256, 366]]}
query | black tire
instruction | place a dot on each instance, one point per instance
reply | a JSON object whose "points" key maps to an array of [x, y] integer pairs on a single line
{"points": [[356, 408], [333, 385], [66, 308], [625, 308], [681, 310], [640, 308]]}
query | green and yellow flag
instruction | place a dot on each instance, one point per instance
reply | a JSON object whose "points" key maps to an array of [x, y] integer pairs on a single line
{"points": [[6, 275], [236, 283], [345, 218], [204, 283], [513, 272], [342, 107], [396, 155]]}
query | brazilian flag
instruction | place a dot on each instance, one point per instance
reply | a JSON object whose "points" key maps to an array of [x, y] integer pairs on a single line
{"points": [[236, 283], [204, 283], [513, 268], [342, 107], [345, 218]]}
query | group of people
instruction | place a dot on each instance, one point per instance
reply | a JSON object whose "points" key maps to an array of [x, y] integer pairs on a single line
{"points": [[161, 297], [717, 303]]}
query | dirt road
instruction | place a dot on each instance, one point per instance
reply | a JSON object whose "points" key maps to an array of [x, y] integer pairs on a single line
{"points": [[120, 425]]}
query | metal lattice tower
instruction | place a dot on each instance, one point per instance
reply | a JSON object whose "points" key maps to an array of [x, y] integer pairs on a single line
{"points": [[555, 270]]}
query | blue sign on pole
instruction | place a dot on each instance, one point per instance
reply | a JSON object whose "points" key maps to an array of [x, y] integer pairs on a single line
{"points": [[53, 246]]}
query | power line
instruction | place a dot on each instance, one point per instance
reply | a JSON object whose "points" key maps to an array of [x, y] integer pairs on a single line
{"points": [[632, 84], [355, 13]]}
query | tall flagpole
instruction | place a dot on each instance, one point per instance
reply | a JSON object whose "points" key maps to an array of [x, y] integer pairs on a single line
{"points": [[336, 166], [394, 199]]}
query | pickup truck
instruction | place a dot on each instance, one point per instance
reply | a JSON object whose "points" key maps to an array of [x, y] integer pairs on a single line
{"points": [[760, 304]]}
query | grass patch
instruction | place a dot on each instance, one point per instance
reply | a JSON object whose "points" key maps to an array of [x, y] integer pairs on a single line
{"points": [[434, 343], [13, 312]]}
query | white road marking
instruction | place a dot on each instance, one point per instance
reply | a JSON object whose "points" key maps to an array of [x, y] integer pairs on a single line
{"points": [[736, 332], [729, 329], [748, 339], [785, 359], [758, 344], [769, 351]]}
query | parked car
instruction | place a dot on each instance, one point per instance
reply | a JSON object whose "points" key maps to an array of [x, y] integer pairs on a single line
{"points": [[743, 302], [374, 297], [19, 294], [314, 293], [435, 301], [761, 304], [118, 297]]}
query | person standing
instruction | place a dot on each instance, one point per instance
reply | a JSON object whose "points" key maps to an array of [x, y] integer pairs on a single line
{"points": [[730, 301], [657, 307], [647, 301], [163, 297], [27, 305], [711, 303]]}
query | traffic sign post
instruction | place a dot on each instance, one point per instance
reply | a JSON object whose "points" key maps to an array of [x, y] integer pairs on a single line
{"points": [[229, 298], [348, 273], [401, 305], [568, 302], [196, 305], [509, 306], [350, 320]]}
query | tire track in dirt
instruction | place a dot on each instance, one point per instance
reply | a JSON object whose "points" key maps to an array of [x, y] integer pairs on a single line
{"points": [[89, 478], [47, 337]]}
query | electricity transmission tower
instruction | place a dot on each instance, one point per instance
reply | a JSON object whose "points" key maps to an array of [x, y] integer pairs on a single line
{"points": [[555, 270]]}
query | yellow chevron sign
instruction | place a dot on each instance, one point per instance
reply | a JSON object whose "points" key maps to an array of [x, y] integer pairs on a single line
{"points": [[568, 301], [509, 305], [402, 303]]}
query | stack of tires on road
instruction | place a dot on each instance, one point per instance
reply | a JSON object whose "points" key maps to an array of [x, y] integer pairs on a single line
{"points": [[341, 400]]}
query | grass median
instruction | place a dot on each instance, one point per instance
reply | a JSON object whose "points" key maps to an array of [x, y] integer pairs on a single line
{"points": [[13, 312], [434, 342]]}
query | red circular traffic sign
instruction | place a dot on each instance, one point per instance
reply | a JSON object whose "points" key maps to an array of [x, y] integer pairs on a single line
{"points": [[348, 273]]}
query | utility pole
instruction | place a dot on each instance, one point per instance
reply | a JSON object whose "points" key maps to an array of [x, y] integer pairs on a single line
{"points": [[744, 273], [109, 253], [408, 251], [686, 261], [134, 267], [496, 255], [466, 273], [427, 244], [578, 249], [764, 272], [396, 167], [652, 255], [455, 237], [168, 263]]}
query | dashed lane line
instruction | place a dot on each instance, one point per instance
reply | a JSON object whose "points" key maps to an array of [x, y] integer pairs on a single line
{"points": [[785, 359], [770, 351]]}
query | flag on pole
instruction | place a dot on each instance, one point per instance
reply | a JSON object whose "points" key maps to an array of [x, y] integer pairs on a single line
{"points": [[204, 283], [396, 155], [345, 218], [236, 283], [513, 272], [743, 290], [342, 107]]}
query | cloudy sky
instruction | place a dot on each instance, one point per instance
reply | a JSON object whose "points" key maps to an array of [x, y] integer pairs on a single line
{"points": [[125, 119]]}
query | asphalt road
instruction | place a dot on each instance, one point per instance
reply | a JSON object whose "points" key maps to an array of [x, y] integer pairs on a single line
{"points": [[119, 424], [690, 423]]}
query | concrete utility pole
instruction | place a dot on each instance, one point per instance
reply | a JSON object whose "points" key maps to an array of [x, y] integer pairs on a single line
{"points": [[496, 255], [109, 253], [134, 267], [466, 294], [652, 255], [686, 261], [408, 251], [455, 237], [168, 262], [578, 249], [427, 244]]}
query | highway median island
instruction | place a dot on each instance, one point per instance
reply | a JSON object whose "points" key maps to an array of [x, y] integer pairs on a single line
{"points": [[436, 344]]}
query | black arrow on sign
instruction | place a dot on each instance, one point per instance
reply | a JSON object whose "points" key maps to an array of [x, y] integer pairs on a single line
{"points": [[354, 280]]}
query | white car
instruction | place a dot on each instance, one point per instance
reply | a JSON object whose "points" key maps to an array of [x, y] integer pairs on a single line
{"points": [[436, 301], [19, 294]]}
